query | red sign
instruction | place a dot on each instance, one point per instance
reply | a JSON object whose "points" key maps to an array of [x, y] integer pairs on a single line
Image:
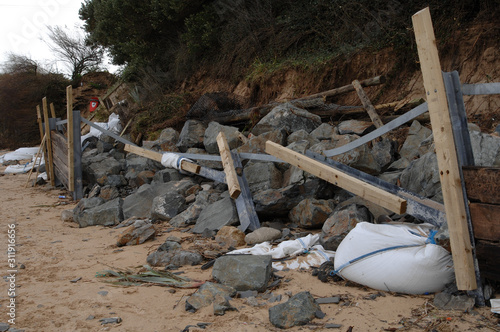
{"points": [[94, 103]]}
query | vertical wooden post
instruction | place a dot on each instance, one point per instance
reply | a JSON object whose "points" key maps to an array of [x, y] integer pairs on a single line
{"points": [[228, 164], [52, 110], [449, 170], [367, 104], [48, 162], [40, 121], [71, 148]]}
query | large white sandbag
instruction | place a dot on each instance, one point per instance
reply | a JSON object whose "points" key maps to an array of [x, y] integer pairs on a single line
{"points": [[397, 258]]}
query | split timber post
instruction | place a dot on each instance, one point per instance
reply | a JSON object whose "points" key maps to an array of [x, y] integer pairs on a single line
{"points": [[228, 164], [449, 168], [48, 162], [74, 145]]}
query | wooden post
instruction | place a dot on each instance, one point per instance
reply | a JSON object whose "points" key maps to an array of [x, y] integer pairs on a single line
{"points": [[40, 121], [228, 164], [367, 104], [71, 147], [52, 111], [48, 162], [40, 150], [338, 178], [449, 169]]}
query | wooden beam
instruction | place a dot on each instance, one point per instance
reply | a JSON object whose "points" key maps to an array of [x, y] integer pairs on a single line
{"points": [[49, 161], [40, 149], [486, 221], [338, 178], [52, 110], [449, 169], [185, 165], [346, 88], [228, 164], [367, 104], [71, 147], [40, 121]]}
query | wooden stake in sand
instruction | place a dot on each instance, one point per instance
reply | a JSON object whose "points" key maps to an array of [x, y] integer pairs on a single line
{"points": [[40, 149]]}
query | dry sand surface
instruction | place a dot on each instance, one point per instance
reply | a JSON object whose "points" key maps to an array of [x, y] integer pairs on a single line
{"points": [[54, 252]]}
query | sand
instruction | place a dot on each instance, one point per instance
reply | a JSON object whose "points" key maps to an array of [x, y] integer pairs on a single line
{"points": [[53, 253]]}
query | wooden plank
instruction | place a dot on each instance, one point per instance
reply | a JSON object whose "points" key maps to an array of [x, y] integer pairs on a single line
{"points": [[486, 221], [350, 183], [185, 165], [482, 183], [52, 110], [59, 148], [228, 164], [449, 170], [367, 104], [346, 88], [40, 121], [488, 255], [48, 161], [61, 175], [71, 147]]}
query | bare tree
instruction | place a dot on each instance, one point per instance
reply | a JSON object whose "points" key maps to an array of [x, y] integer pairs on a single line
{"points": [[17, 63], [75, 52]]}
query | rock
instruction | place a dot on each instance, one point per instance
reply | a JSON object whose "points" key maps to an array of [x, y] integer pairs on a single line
{"points": [[446, 301], [299, 146], [416, 135], [109, 193], [383, 151], [229, 236], [328, 300], [107, 214], [323, 132], [486, 149], [262, 234], [168, 140], [111, 320], [191, 214], [167, 206], [115, 181], [97, 169], [355, 127], [300, 309], [400, 164], [214, 164], [311, 213], [4, 327], [289, 117], [103, 147], [180, 187], [391, 177], [167, 175], [191, 135], [211, 133], [301, 135], [262, 176], [243, 272], [422, 176], [360, 158], [67, 216], [176, 257], [139, 203], [206, 295], [257, 144], [144, 177], [138, 233], [221, 305], [138, 164], [84, 204], [340, 223], [216, 215]]}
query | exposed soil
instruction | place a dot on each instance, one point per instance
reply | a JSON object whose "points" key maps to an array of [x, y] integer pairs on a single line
{"points": [[55, 252]]}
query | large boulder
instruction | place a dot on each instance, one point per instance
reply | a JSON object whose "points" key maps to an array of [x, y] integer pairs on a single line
{"points": [[107, 214], [257, 144], [216, 215], [486, 149], [300, 309], [416, 135], [301, 135], [360, 158], [167, 206], [422, 177], [323, 132], [97, 169], [341, 222], [262, 176], [192, 213], [311, 213], [288, 117], [207, 294], [355, 127], [168, 140], [243, 272], [171, 253], [139, 203], [191, 135], [213, 130], [137, 233]]}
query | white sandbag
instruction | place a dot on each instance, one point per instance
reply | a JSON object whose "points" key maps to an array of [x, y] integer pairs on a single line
{"points": [[303, 252], [17, 169], [397, 258], [173, 160], [19, 154], [112, 125]]}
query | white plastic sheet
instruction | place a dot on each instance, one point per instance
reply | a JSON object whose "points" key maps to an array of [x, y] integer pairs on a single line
{"points": [[112, 125], [303, 252], [397, 258], [19, 154]]}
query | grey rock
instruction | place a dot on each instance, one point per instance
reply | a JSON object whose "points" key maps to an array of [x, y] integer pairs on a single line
{"points": [[214, 164], [355, 127], [360, 158], [4, 327], [180, 187], [67, 216], [311, 213], [323, 132], [391, 177], [191, 135], [295, 176], [287, 117], [176, 257], [400, 164], [168, 140], [300, 309], [108, 193], [167, 206], [340, 223], [138, 164], [328, 300], [262, 234], [103, 147], [211, 133], [301, 135], [139, 203], [107, 214], [191, 214], [230, 236], [221, 305], [111, 320], [216, 215], [422, 176], [137, 233], [486, 149], [262, 176], [243, 272], [167, 175], [207, 294], [383, 151], [446, 301], [97, 169], [115, 181], [257, 144], [300, 146], [323, 146], [416, 135]]}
